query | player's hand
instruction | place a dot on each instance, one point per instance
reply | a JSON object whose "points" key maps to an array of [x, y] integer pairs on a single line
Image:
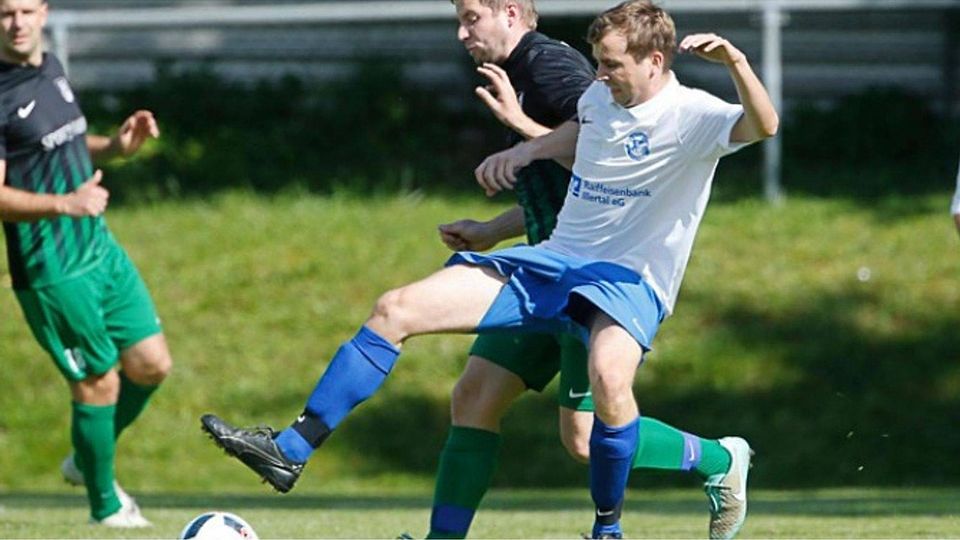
{"points": [[90, 199], [467, 234], [711, 47], [499, 171], [499, 96], [134, 131]]}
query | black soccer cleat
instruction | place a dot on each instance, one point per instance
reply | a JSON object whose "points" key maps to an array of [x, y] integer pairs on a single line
{"points": [[603, 536], [256, 449]]}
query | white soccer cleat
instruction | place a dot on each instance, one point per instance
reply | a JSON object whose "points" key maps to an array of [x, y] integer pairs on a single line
{"points": [[127, 517], [728, 492], [73, 476]]}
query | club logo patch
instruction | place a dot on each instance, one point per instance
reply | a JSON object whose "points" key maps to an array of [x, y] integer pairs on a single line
{"points": [[638, 146]]}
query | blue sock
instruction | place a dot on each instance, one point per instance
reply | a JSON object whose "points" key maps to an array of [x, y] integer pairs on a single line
{"points": [[355, 373], [611, 457]]}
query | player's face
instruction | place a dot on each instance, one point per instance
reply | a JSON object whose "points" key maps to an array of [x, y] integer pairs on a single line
{"points": [[484, 33], [630, 81], [22, 22]]}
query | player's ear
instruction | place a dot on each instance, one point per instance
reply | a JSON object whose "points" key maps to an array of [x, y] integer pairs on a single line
{"points": [[512, 9], [657, 60]]}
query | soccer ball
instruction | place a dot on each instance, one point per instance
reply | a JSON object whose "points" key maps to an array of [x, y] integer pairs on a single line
{"points": [[218, 526]]}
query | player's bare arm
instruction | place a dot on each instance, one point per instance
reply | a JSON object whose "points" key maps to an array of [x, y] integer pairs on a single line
{"points": [[90, 199], [498, 171], [135, 130], [760, 119], [468, 234]]}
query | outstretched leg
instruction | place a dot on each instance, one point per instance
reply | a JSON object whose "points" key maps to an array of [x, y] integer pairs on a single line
{"points": [[454, 299]]}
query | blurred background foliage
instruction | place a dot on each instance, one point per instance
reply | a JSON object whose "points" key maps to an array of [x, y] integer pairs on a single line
{"points": [[377, 132]]}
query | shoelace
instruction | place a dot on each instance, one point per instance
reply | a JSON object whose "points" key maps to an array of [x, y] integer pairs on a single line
{"points": [[262, 431], [715, 496]]}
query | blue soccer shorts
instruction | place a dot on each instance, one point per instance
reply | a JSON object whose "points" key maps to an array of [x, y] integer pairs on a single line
{"points": [[547, 292]]}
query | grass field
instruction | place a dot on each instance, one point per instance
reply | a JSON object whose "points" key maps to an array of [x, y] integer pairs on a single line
{"points": [[562, 513], [824, 331]]}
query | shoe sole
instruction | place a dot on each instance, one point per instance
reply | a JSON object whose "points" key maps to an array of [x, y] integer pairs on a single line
{"points": [[232, 453]]}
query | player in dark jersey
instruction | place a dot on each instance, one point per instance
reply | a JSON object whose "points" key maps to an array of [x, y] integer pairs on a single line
{"points": [[81, 295]]}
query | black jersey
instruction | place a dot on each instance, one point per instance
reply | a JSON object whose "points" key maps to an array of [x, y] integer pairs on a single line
{"points": [[549, 76], [43, 141]]}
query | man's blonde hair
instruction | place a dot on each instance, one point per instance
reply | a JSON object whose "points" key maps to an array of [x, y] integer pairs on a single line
{"points": [[646, 26], [528, 9]]}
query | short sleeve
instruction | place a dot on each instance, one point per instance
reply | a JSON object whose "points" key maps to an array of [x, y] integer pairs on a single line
{"points": [[706, 126], [561, 76]]}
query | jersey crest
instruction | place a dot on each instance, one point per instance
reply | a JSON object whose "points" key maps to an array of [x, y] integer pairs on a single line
{"points": [[638, 145]]}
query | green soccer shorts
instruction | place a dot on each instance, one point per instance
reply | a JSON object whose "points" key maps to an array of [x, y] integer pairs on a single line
{"points": [[536, 359], [85, 321]]}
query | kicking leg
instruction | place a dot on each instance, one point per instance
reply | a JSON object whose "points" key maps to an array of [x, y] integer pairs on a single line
{"points": [[455, 299]]}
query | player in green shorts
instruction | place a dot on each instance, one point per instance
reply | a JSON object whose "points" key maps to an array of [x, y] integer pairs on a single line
{"points": [[534, 85], [81, 295]]}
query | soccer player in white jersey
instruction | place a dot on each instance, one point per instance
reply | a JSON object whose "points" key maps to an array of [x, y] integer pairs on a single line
{"points": [[646, 150]]}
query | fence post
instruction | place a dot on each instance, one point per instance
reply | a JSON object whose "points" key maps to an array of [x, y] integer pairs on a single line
{"points": [[773, 80], [60, 35]]}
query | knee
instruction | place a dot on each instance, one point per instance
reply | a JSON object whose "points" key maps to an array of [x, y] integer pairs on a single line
{"points": [[612, 393], [473, 404], [388, 317], [98, 389], [466, 402], [152, 371], [575, 428], [577, 445], [610, 387]]}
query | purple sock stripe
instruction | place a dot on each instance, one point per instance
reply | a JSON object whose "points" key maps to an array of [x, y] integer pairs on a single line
{"points": [[692, 452]]}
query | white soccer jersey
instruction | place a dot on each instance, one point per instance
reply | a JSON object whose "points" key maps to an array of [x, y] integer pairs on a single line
{"points": [[955, 205], [641, 180]]}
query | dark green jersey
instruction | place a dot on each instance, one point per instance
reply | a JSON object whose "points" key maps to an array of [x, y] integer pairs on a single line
{"points": [[541, 189], [549, 76], [43, 141]]}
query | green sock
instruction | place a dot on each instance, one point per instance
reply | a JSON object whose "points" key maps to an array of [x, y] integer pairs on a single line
{"points": [[92, 434], [133, 399], [665, 447], [466, 468]]}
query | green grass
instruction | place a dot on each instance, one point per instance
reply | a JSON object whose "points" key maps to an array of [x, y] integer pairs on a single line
{"points": [[836, 381], [375, 512]]}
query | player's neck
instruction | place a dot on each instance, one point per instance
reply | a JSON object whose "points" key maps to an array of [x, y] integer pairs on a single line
{"points": [[513, 41], [657, 84], [33, 59]]}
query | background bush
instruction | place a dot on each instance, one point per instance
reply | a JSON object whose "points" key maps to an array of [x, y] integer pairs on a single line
{"points": [[378, 132]]}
